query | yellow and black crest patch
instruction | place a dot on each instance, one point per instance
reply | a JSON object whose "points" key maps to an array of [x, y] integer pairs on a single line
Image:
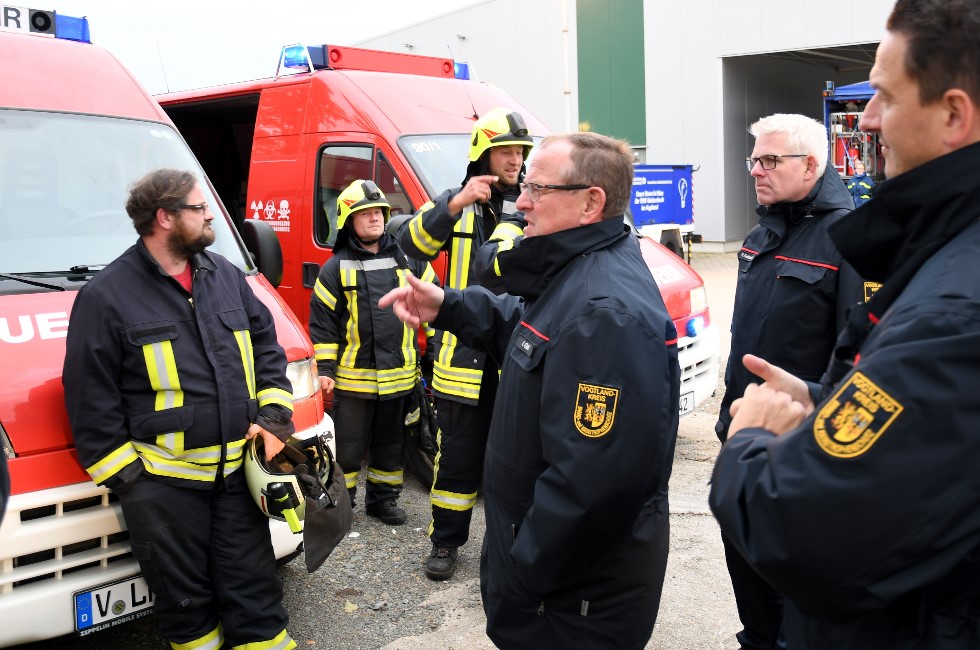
{"points": [[595, 409], [869, 289], [854, 418]]}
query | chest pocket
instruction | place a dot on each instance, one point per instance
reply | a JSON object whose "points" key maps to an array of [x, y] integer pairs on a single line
{"points": [[156, 342], [809, 273], [527, 349]]}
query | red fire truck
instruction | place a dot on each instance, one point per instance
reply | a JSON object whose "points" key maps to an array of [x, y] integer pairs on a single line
{"points": [[75, 130], [281, 149]]}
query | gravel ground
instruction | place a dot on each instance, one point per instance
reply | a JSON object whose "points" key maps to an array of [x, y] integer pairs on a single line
{"points": [[372, 592]]}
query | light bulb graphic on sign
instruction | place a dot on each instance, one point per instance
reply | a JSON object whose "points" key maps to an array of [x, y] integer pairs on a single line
{"points": [[682, 190]]}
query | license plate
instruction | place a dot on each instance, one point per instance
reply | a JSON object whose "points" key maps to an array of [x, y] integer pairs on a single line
{"points": [[686, 404], [112, 604]]}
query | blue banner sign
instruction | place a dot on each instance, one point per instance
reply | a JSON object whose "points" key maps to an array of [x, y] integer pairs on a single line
{"points": [[662, 194]]}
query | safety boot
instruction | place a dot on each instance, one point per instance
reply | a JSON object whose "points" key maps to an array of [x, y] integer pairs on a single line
{"points": [[441, 563], [388, 512]]}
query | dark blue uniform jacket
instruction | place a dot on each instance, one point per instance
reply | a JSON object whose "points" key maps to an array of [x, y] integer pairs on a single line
{"points": [[581, 443], [867, 516], [793, 290]]}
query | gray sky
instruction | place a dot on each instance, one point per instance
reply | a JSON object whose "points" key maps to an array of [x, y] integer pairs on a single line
{"points": [[184, 44]]}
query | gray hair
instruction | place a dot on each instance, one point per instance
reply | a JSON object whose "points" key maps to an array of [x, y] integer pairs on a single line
{"points": [[803, 135]]}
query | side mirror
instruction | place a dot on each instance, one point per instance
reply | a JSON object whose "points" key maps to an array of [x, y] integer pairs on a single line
{"points": [[263, 243]]}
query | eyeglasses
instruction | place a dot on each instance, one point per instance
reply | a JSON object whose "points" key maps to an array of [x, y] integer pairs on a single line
{"points": [[770, 161], [200, 207], [534, 189]]}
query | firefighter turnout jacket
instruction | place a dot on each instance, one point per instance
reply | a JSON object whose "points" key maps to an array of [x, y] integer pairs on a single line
{"points": [[365, 348], [793, 291], [167, 382], [867, 515], [581, 441], [458, 368]]}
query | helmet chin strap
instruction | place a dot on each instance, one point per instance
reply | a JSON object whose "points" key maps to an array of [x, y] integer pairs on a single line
{"points": [[366, 242]]}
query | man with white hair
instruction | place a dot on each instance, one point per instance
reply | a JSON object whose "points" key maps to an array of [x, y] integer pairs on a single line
{"points": [[792, 294]]}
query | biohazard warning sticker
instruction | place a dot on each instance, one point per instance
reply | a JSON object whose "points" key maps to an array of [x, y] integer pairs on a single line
{"points": [[854, 418], [595, 409]]}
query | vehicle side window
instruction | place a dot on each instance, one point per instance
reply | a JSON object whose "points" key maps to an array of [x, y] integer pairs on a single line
{"points": [[394, 191], [339, 165]]}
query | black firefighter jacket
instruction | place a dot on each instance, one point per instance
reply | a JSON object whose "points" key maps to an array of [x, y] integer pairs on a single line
{"points": [[793, 290], [867, 516], [364, 348], [457, 368], [581, 441], [160, 381]]}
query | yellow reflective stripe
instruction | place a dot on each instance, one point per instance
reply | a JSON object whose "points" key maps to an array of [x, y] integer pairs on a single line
{"points": [[198, 464], [506, 232], [446, 350], [503, 245], [348, 277], [426, 243], [354, 386], [210, 641], [454, 373], [244, 339], [173, 440], [325, 296], [274, 395], [111, 463], [375, 475], [350, 479], [429, 274], [161, 369], [462, 249], [452, 500], [282, 642], [326, 351]]}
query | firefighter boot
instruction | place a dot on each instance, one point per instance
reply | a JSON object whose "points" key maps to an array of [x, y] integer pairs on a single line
{"points": [[441, 563], [388, 512]]}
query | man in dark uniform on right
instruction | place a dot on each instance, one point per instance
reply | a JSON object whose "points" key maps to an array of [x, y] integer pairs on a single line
{"points": [[859, 500]]}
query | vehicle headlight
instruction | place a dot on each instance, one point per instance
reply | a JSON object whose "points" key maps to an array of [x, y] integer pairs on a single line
{"points": [[304, 378], [699, 300]]}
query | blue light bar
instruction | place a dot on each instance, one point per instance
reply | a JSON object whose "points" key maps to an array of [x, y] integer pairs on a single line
{"points": [[461, 70], [295, 56], [72, 28], [695, 326]]}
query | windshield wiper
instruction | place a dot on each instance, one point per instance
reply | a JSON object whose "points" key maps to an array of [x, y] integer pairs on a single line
{"points": [[36, 283], [82, 269]]}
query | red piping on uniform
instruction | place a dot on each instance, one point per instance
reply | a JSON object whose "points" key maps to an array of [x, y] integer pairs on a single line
{"points": [[535, 331], [857, 358], [793, 259], [872, 318], [671, 342], [750, 250]]}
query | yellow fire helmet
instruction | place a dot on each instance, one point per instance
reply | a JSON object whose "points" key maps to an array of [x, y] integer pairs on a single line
{"points": [[499, 127], [359, 195]]}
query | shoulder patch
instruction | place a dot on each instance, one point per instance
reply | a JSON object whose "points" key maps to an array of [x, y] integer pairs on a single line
{"points": [[854, 418], [595, 409], [869, 289]]}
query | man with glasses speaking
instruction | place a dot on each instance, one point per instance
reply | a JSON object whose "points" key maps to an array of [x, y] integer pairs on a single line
{"points": [[583, 431], [790, 301]]}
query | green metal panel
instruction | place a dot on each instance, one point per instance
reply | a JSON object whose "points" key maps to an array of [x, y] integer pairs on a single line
{"points": [[611, 93]]}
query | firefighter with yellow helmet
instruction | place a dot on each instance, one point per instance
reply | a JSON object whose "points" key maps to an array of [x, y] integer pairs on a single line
{"points": [[366, 357], [471, 223]]}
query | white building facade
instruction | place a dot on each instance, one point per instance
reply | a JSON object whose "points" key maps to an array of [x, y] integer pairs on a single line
{"points": [[680, 79]]}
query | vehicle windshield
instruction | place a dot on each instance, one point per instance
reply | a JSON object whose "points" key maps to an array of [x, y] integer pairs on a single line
{"points": [[439, 160], [64, 180]]}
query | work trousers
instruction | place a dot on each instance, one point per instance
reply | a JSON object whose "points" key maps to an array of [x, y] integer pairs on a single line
{"points": [[760, 607], [378, 425], [208, 559], [462, 444]]}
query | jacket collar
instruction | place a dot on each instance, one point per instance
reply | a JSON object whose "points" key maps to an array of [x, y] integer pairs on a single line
{"points": [[911, 217], [199, 261], [829, 193], [528, 268]]}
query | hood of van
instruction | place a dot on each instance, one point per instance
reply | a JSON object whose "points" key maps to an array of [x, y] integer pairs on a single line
{"points": [[33, 328]]}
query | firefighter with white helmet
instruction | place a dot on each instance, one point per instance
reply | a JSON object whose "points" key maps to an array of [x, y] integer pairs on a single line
{"points": [[472, 223], [366, 357]]}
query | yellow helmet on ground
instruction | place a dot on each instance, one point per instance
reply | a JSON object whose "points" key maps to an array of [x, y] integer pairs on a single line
{"points": [[359, 195], [497, 128]]}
